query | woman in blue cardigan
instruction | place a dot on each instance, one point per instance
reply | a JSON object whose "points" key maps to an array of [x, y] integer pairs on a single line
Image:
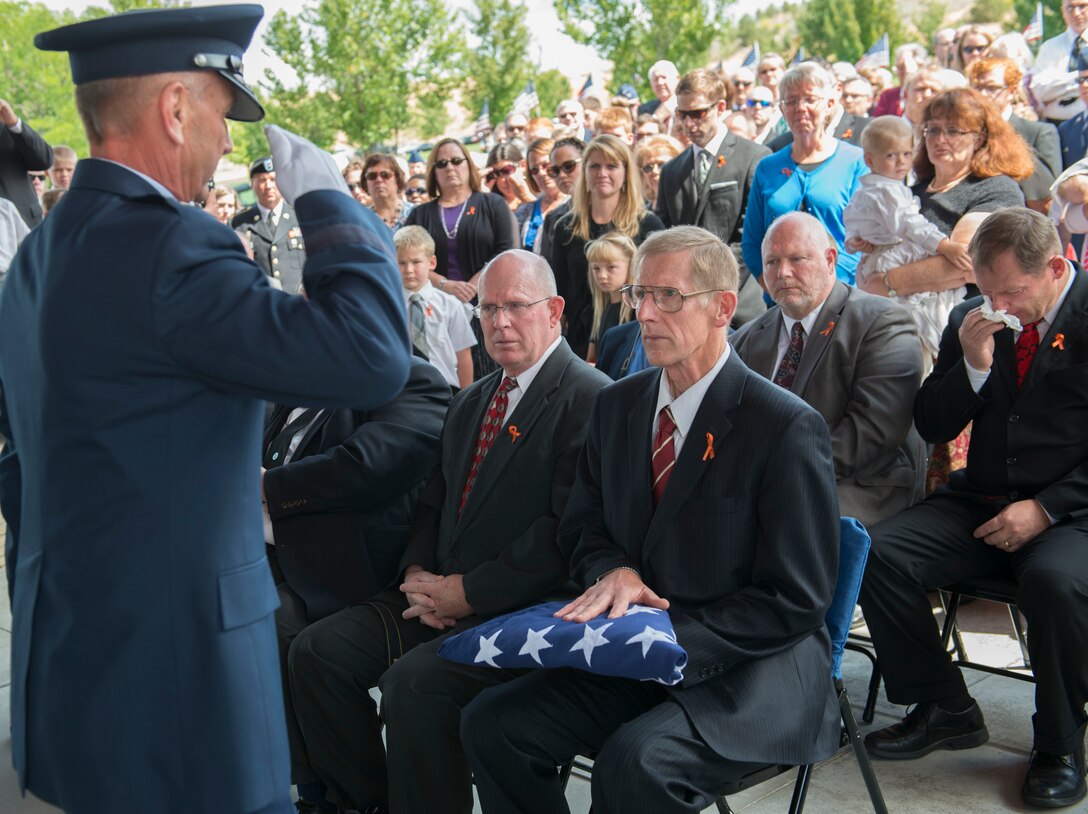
{"points": [[817, 173]]}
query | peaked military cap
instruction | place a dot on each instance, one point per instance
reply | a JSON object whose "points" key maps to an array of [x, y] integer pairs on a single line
{"points": [[139, 43]]}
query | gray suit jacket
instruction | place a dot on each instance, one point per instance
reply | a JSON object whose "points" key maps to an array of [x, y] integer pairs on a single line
{"points": [[1042, 138], [860, 370]]}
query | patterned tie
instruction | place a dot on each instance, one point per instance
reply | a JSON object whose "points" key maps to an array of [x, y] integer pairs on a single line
{"points": [[704, 166], [1026, 345], [664, 455], [787, 368], [419, 326], [272, 220], [490, 427], [1074, 55]]}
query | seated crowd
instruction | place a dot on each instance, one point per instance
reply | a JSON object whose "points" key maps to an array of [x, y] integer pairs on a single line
{"points": [[866, 292]]}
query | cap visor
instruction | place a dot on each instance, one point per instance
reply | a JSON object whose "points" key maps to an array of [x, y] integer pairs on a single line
{"points": [[246, 108]]}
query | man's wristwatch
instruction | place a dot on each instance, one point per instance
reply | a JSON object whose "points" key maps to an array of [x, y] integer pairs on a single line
{"points": [[888, 285]]}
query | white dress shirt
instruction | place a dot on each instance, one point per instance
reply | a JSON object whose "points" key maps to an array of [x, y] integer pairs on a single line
{"points": [[525, 380], [686, 405]]}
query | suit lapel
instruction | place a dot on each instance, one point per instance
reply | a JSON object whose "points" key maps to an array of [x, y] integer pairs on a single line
{"points": [[462, 441], [275, 424], [1069, 324], [710, 429], [319, 422], [717, 172], [822, 330], [762, 346], [640, 429], [517, 431], [689, 191]]}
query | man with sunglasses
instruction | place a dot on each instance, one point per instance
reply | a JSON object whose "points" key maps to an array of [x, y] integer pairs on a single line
{"points": [[21, 151], [763, 113], [677, 505], [707, 185], [272, 229]]}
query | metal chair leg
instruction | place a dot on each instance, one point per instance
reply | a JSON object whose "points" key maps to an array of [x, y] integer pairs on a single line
{"points": [[723, 806], [864, 763], [1021, 635], [800, 788], [951, 630]]}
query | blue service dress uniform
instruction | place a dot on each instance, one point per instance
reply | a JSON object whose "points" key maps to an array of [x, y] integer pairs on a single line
{"points": [[137, 347]]}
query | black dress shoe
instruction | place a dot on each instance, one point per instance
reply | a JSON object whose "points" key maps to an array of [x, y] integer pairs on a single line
{"points": [[928, 727], [1054, 781]]}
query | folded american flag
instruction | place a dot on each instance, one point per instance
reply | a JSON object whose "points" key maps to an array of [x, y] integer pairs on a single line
{"points": [[640, 644]]}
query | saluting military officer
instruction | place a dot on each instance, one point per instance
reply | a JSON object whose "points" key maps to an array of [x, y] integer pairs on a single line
{"points": [[272, 229], [138, 344]]}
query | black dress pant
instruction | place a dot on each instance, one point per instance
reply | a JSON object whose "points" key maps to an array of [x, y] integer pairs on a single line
{"points": [[930, 546], [649, 756], [332, 665]]}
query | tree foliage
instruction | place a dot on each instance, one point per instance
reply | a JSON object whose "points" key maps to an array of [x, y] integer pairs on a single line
{"points": [[845, 29], [1053, 24], [634, 34], [497, 64], [552, 87], [358, 63], [991, 11], [929, 19]]}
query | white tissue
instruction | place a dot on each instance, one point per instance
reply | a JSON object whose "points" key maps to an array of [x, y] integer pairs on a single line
{"points": [[1000, 316]]}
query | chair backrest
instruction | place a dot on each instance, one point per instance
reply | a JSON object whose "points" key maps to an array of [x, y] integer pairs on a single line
{"points": [[853, 552]]}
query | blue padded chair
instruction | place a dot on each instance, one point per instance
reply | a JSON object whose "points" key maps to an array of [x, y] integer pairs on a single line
{"points": [[853, 553]]}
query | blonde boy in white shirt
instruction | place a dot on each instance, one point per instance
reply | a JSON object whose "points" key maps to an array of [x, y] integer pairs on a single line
{"points": [[446, 337]]}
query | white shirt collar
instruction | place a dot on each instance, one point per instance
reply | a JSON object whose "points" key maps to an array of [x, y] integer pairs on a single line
{"points": [[277, 210], [713, 145], [424, 291], [807, 323], [526, 377], [1052, 314], [686, 405]]}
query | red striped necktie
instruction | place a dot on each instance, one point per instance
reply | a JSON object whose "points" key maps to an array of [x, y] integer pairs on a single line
{"points": [[664, 454], [490, 427]]}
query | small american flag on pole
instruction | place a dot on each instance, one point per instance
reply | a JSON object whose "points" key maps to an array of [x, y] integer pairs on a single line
{"points": [[878, 56], [527, 100], [1033, 31], [752, 60]]}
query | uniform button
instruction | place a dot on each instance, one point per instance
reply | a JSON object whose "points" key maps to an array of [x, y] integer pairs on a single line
{"points": [[273, 248], [1010, 461], [276, 274], [275, 261], [1013, 418]]}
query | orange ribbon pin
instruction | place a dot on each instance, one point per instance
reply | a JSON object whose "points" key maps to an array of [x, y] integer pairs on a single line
{"points": [[709, 446], [830, 327], [471, 210], [846, 134], [429, 311], [721, 161], [1059, 342], [514, 434], [786, 171]]}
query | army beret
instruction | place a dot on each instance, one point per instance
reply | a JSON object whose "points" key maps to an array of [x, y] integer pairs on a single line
{"points": [[261, 165]]}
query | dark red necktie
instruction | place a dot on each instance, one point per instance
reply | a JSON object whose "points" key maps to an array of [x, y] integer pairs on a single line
{"points": [[664, 454], [1026, 345], [787, 368], [490, 427]]}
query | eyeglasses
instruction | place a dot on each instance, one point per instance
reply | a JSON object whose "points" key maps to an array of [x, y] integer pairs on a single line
{"points": [[513, 310], [695, 114], [385, 175], [1076, 8], [666, 298], [803, 101], [568, 114], [354, 186], [37, 176], [416, 191], [974, 49], [515, 128], [539, 169], [989, 90], [741, 83], [651, 166], [1082, 79], [442, 163], [509, 169], [759, 103], [566, 168], [950, 132]]}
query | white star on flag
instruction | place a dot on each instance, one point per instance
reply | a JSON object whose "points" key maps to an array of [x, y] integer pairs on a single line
{"points": [[590, 639], [631, 611], [647, 637], [535, 642], [488, 650]]}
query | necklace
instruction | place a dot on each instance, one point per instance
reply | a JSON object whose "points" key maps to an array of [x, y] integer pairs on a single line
{"points": [[457, 224], [937, 189]]}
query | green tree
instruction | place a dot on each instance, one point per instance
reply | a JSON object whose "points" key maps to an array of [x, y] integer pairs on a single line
{"points": [[497, 64], [552, 87], [1053, 24], [366, 68], [845, 29], [929, 20], [636, 33], [991, 11]]}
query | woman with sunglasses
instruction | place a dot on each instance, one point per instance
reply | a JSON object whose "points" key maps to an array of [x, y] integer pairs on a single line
{"points": [[470, 226], [651, 155], [530, 216], [505, 175], [606, 197], [563, 168], [971, 45], [384, 183], [816, 173]]}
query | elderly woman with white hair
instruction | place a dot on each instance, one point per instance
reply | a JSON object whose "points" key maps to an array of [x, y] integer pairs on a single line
{"points": [[817, 173]]}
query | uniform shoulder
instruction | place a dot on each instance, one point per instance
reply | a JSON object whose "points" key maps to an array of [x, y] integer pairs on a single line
{"points": [[249, 215]]}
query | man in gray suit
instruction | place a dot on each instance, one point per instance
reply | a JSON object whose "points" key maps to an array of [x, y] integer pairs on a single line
{"points": [[854, 357], [706, 490], [708, 184], [482, 543], [272, 229]]}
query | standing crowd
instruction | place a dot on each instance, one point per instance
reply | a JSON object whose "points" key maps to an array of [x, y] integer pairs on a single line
{"points": [[638, 358]]}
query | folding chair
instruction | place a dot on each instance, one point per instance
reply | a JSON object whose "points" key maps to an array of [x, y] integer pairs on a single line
{"points": [[853, 552]]}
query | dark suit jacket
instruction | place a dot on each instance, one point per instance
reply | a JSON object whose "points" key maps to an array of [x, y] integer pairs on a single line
{"points": [[138, 345], [861, 376], [1042, 138], [504, 542], [342, 506], [1026, 443], [1073, 134], [615, 349], [744, 545], [19, 154], [280, 252], [848, 129]]}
